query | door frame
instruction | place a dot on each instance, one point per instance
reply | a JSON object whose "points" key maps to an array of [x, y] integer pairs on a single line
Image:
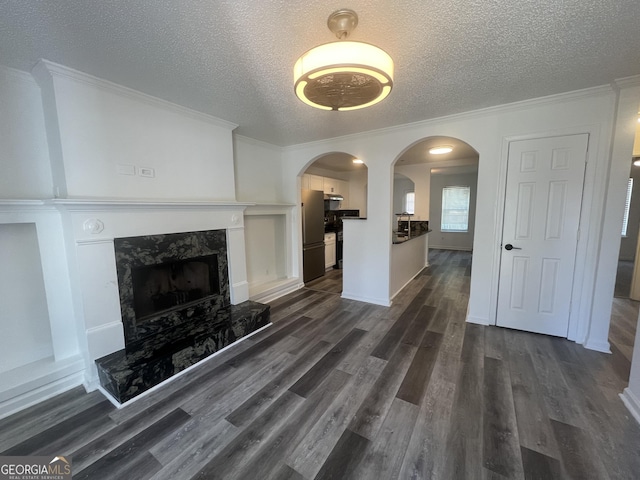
{"points": [[590, 216]]}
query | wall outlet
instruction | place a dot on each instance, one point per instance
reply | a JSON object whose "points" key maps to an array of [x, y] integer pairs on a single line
{"points": [[146, 172]]}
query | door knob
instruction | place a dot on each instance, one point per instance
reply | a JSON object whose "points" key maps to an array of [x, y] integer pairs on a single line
{"points": [[508, 246]]}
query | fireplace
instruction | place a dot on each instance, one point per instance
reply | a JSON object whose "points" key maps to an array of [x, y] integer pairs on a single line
{"points": [[176, 309], [166, 280]]}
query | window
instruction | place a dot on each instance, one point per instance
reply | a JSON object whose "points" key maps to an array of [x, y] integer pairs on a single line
{"points": [[410, 202], [627, 204], [455, 209]]}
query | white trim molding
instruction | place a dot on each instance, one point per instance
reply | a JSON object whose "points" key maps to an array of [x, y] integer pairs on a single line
{"points": [[631, 402]]}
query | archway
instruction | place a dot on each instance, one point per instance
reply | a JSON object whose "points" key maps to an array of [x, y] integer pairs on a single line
{"points": [[452, 174], [340, 180]]}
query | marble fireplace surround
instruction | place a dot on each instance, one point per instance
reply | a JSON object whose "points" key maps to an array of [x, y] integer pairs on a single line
{"points": [[135, 253], [91, 227]]}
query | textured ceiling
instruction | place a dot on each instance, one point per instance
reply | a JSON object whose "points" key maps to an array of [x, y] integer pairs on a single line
{"points": [[233, 59]]}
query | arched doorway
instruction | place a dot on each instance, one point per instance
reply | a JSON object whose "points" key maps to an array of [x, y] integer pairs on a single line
{"points": [[339, 181], [444, 189]]}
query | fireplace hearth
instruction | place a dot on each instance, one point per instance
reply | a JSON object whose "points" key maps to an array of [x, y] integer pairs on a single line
{"points": [[176, 309]]}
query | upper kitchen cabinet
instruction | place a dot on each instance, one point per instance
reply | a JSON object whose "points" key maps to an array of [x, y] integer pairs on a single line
{"points": [[337, 187], [312, 182], [330, 185]]}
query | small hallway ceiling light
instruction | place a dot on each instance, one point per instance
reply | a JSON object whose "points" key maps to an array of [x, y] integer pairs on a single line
{"points": [[358, 161], [441, 150], [343, 75]]}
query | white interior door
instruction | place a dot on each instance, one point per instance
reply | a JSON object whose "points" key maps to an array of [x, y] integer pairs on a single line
{"points": [[545, 180]]}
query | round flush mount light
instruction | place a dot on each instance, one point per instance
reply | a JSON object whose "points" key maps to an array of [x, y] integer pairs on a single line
{"points": [[357, 161], [343, 75], [636, 163], [442, 149]]}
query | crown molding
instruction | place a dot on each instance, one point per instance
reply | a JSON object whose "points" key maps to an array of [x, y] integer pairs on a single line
{"points": [[17, 76], [44, 69], [504, 108], [258, 143], [627, 82]]}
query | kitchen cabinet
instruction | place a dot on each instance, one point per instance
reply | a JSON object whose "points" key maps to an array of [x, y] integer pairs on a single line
{"points": [[312, 182], [316, 182], [329, 250], [337, 187], [343, 189], [327, 185], [330, 185]]}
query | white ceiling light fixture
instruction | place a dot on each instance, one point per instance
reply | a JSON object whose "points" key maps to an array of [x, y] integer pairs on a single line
{"points": [[343, 75], [358, 161], [442, 149]]}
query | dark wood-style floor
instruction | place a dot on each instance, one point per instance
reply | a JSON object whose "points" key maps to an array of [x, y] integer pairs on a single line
{"points": [[342, 389]]}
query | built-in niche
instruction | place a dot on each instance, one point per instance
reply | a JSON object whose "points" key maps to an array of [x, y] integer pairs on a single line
{"points": [[24, 316]]}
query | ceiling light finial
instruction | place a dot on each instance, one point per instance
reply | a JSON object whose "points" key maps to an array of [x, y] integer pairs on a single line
{"points": [[343, 75], [342, 23]]}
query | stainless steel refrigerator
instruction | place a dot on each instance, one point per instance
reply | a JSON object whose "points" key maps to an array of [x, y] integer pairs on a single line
{"points": [[312, 234]]}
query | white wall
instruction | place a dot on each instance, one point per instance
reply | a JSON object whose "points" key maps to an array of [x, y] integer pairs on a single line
{"points": [[25, 333], [258, 171], [358, 185], [24, 155], [488, 132], [97, 129], [451, 240]]}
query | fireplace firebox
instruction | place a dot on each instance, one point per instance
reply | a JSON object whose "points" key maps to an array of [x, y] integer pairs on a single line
{"points": [[161, 288]]}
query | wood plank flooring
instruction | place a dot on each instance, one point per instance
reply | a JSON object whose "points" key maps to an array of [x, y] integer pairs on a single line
{"points": [[342, 389]]}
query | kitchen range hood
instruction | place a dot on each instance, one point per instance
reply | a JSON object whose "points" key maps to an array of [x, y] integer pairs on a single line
{"points": [[333, 196]]}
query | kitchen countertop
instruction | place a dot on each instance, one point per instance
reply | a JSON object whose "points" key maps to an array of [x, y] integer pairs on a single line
{"points": [[403, 239]]}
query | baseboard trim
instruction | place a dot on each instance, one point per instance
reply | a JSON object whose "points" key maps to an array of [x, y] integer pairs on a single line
{"points": [[40, 394], [385, 302], [631, 402], [275, 290], [408, 282], [603, 347]]}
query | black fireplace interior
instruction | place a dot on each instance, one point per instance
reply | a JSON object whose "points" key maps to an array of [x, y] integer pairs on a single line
{"points": [[162, 287]]}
